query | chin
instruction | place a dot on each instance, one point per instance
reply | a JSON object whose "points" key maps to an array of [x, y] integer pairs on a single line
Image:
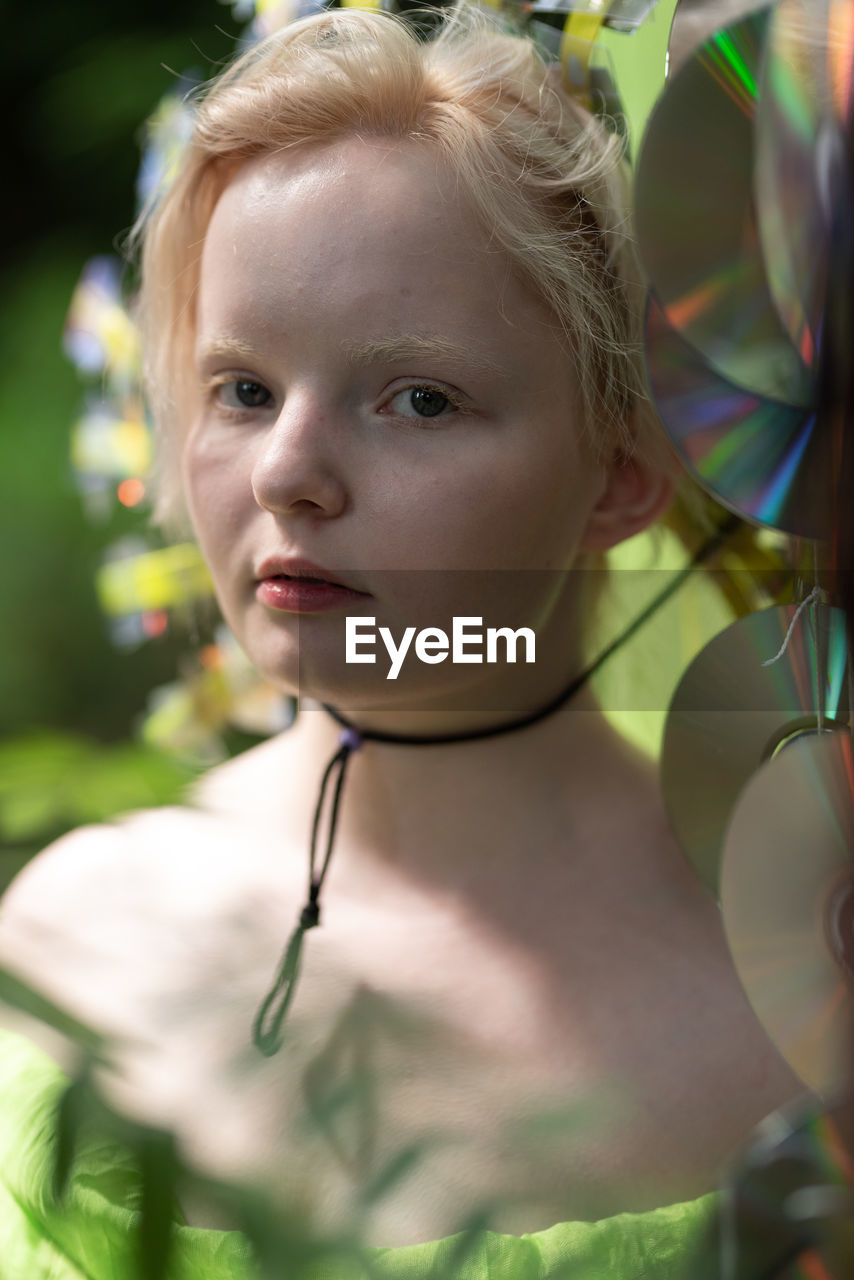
{"points": [[306, 662]]}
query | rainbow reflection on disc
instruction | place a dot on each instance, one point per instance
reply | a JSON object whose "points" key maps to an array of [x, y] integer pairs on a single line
{"points": [[767, 461], [696, 224], [730, 713], [805, 96], [787, 896]]}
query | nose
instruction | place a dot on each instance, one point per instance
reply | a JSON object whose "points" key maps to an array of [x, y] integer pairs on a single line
{"points": [[297, 467]]}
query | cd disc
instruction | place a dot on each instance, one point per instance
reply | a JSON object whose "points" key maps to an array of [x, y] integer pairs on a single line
{"points": [[765, 460], [730, 713], [787, 895], [805, 98], [696, 224], [792, 225]]}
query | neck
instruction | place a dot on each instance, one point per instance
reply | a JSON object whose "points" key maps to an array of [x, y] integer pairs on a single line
{"points": [[444, 811], [480, 825]]}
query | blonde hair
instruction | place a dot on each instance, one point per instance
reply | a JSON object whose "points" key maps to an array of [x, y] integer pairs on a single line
{"points": [[544, 177]]}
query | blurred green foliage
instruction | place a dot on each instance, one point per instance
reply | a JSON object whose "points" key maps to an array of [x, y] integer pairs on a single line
{"points": [[79, 83], [51, 781]]}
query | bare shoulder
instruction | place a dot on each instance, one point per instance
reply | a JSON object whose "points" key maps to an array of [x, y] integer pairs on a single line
{"points": [[688, 1010], [125, 867], [167, 921], [45, 915], [72, 881], [96, 920], [66, 880]]}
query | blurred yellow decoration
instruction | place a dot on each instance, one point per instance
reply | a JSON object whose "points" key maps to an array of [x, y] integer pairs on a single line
{"points": [[111, 440], [120, 337], [186, 718], [167, 132], [100, 337], [220, 688], [576, 46], [271, 15], [153, 580]]}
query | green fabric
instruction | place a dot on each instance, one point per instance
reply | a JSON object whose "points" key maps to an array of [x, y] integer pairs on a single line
{"points": [[91, 1236]]}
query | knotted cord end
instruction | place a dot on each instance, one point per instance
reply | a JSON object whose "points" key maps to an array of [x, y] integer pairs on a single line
{"points": [[310, 915], [267, 1027]]}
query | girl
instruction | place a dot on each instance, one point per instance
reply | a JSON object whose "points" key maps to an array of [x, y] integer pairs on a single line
{"points": [[392, 327]]}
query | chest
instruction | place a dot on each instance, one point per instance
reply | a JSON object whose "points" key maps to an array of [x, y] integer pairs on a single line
{"points": [[485, 1075]]}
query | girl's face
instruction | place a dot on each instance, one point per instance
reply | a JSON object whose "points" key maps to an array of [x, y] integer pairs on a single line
{"points": [[381, 397]]}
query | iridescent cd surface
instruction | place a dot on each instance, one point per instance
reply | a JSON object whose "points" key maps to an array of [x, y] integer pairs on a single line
{"points": [[787, 896], [766, 460], [792, 224], [696, 223], [805, 95], [730, 713]]}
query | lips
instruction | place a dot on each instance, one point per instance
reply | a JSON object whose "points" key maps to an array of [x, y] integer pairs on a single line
{"points": [[291, 570]]}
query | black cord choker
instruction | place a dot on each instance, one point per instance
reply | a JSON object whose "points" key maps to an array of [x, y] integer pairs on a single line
{"points": [[267, 1027]]}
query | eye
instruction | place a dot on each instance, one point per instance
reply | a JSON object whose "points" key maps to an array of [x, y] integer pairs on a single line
{"points": [[421, 402], [242, 393]]}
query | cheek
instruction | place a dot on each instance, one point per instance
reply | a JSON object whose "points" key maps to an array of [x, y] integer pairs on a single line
{"points": [[521, 517], [218, 492], [553, 491]]}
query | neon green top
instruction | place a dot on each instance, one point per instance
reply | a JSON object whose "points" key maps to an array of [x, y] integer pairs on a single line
{"points": [[91, 1236]]}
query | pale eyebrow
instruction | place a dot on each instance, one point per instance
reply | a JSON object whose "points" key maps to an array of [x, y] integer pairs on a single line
{"points": [[416, 346], [225, 349], [413, 346]]}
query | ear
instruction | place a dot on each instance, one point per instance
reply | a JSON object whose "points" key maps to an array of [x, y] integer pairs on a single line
{"points": [[636, 493]]}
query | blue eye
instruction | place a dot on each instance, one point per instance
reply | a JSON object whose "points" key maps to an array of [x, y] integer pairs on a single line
{"points": [[421, 402], [243, 393]]}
